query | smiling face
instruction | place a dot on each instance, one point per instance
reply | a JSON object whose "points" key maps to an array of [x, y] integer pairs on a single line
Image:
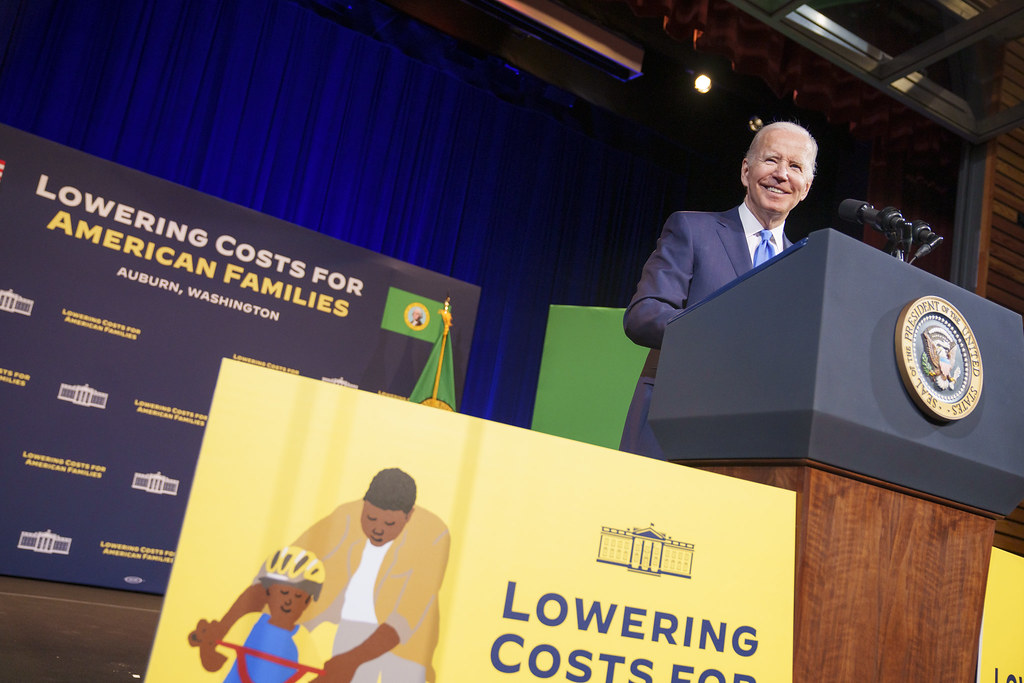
{"points": [[383, 526], [286, 604], [777, 173]]}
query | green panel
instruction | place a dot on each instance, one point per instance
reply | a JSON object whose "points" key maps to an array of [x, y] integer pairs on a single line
{"points": [[587, 375]]}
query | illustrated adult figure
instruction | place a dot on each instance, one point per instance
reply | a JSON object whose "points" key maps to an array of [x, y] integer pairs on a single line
{"points": [[699, 252], [384, 560]]}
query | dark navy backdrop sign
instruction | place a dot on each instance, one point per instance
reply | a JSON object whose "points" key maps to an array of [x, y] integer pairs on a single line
{"points": [[119, 295]]}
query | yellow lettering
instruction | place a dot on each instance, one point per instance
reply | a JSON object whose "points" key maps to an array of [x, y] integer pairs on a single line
{"points": [[164, 256], [233, 271], [133, 246], [207, 268], [85, 232], [272, 287], [62, 221], [250, 281], [112, 239], [184, 261]]}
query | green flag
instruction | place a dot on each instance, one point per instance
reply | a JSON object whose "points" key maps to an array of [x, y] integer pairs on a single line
{"points": [[412, 315], [436, 386]]}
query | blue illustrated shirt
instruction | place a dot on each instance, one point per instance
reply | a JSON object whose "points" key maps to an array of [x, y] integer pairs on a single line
{"points": [[273, 640]]}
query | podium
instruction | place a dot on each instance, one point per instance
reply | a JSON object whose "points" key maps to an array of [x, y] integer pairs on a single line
{"points": [[793, 376]]}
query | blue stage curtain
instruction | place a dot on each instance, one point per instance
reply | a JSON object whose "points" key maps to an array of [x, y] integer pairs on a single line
{"points": [[267, 104]]}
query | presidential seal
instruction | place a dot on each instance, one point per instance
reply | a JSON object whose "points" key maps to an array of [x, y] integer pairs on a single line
{"points": [[938, 358]]}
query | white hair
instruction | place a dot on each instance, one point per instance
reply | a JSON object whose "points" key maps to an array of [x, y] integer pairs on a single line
{"points": [[755, 144]]}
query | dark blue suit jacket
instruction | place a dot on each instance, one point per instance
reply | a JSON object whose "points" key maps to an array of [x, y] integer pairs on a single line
{"points": [[697, 253]]}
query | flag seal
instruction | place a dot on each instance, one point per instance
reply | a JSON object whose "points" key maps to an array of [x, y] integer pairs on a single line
{"points": [[417, 316]]}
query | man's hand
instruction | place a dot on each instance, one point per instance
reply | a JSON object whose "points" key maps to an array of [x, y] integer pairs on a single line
{"points": [[205, 637], [339, 669]]}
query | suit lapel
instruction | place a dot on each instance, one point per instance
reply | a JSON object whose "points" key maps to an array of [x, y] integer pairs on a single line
{"points": [[730, 231]]}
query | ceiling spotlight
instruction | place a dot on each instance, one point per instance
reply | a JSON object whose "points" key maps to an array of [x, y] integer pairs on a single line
{"points": [[755, 123], [702, 84]]}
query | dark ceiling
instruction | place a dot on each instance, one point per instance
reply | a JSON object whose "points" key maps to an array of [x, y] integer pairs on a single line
{"points": [[662, 98], [945, 59], [657, 114], [703, 137], [955, 61]]}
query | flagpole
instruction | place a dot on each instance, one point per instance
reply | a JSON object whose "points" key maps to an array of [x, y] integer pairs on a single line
{"points": [[447, 317]]}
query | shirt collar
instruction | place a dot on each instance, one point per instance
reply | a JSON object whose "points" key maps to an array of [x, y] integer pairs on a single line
{"points": [[751, 226]]}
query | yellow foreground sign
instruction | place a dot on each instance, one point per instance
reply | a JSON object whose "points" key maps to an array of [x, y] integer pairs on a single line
{"points": [[523, 557], [1002, 629]]}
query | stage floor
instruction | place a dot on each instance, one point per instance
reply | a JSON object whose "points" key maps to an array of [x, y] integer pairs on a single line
{"points": [[57, 632]]}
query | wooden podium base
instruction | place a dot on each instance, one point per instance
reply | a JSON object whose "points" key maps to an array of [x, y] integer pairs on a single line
{"points": [[890, 586]]}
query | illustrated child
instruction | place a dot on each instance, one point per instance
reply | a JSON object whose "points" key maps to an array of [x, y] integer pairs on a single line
{"points": [[291, 578], [387, 558]]}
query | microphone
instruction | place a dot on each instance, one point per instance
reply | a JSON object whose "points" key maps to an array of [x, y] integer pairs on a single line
{"points": [[852, 210], [888, 221], [924, 236], [922, 233]]}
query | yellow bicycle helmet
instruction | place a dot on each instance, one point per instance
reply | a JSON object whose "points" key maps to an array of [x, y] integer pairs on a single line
{"points": [[296, 566]]}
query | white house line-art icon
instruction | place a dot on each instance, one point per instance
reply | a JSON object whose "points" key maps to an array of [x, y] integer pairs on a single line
{"points": [[14, 303], [340, 381], [82, 395], [645, 550], [155, 483], [44, 542]]}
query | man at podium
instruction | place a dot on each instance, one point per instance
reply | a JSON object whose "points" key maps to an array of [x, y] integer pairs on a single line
{"points": [[699, 252]]}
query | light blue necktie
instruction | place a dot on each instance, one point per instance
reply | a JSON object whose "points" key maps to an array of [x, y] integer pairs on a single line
{"points": [[765, 250]]}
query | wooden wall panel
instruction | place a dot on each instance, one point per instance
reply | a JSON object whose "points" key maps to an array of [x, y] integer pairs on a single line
{"points": [[1002, 245]]}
